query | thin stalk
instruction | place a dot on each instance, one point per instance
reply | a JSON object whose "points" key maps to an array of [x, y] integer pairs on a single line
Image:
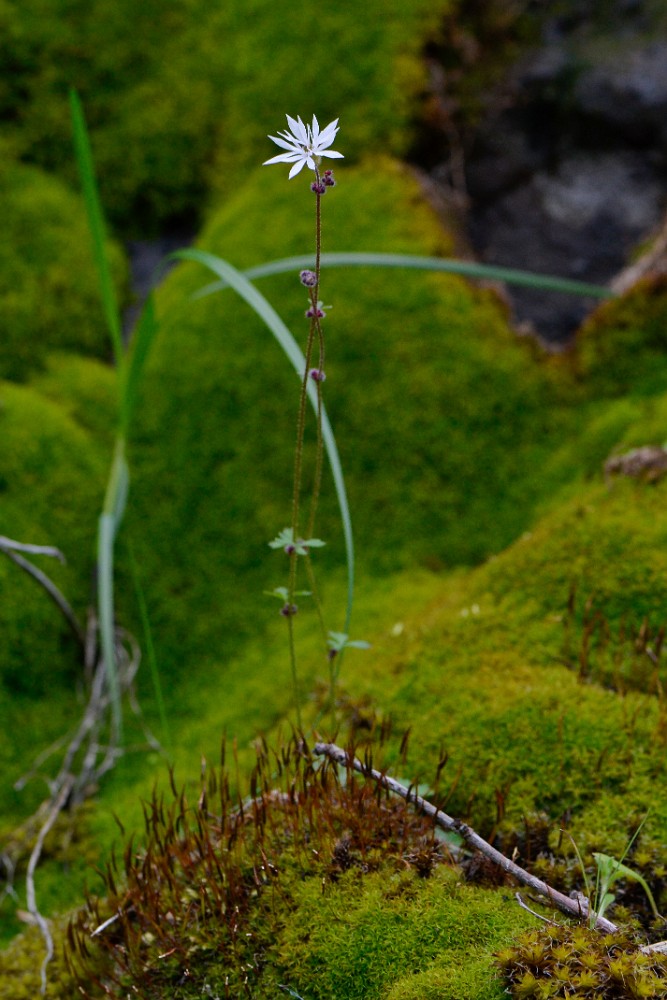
{"points": [[315, 295], [292, 654], [315, 327]]}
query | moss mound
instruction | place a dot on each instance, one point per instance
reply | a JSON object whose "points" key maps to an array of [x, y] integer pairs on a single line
{"points": [[52, 482], [49, 292], [328, 890]]}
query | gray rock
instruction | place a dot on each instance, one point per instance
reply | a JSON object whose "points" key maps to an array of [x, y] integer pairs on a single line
{"points": [[628, 93]]}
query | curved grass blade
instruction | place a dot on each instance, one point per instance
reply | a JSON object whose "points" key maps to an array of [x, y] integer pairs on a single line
{"points": [[109, 522], [118, 482], [230, 277], [469, 269], [91, 196]]}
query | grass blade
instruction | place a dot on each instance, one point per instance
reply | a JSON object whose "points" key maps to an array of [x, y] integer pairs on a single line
{"points": [[105, 604], [230, 277], [486, 272], [116, 492], [96, 222], [110, 519]]}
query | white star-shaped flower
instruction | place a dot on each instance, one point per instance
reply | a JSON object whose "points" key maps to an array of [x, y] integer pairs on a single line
{"points": [[305, 144]]}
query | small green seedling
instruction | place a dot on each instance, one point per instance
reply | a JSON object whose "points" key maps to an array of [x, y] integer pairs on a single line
{"points": [[609, 870]]}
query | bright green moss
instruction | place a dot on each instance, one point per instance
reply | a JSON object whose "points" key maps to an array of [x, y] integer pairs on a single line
{"points": [[176, 94], [52, 474], [622, 347], [49, 296], [52, 479], [20, 967], [390, 935]]}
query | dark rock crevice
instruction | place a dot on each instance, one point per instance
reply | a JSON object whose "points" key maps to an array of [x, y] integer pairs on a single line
{"points": [[561, 156]]}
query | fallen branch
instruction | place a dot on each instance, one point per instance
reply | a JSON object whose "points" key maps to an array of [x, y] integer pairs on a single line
{"points": [[33, 909], [577, 908]]}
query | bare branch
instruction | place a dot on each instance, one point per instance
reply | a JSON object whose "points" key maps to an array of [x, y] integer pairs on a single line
{"points": [[578, 908], [7, 544], [36, 854]]}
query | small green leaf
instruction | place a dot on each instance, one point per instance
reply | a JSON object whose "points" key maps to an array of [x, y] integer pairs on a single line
{"points": [[339, 641], [300, 547], [611, 871], [283, 594], [286, 537]]}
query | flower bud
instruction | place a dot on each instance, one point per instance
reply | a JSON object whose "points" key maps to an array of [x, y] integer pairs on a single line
{"points": [[319, 312], [308, 278]]}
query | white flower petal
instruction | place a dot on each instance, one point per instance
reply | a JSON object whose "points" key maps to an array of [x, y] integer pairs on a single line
{"points": [[296, 168], [299, 130], [333, 154], [329, 133], [282, 158], [288, 137], [283, 143]]}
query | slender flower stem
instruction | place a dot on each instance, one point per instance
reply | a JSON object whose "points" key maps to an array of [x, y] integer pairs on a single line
{"points": [[319, 457], [315, 328], [292, 653]]}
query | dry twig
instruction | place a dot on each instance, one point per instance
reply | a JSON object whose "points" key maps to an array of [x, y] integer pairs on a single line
{"points": [[578, 908]]}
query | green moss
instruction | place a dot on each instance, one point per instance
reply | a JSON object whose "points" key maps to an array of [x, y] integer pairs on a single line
{"points": [[49, 293], [556, 961], [20, 967], [174, 94], [388, 936], [621, 348], [52, 474], [455, 439], [319, 893], [52, 479]]}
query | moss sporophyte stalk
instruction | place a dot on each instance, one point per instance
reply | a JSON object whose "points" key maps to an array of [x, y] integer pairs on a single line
{"points": [[304, 146]]}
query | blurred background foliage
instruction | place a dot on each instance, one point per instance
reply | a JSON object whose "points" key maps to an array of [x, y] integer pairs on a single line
{"points": [[180, 94]]}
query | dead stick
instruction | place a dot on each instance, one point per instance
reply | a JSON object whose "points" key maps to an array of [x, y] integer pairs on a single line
{"points": [[576, 908], [56, 808]]}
